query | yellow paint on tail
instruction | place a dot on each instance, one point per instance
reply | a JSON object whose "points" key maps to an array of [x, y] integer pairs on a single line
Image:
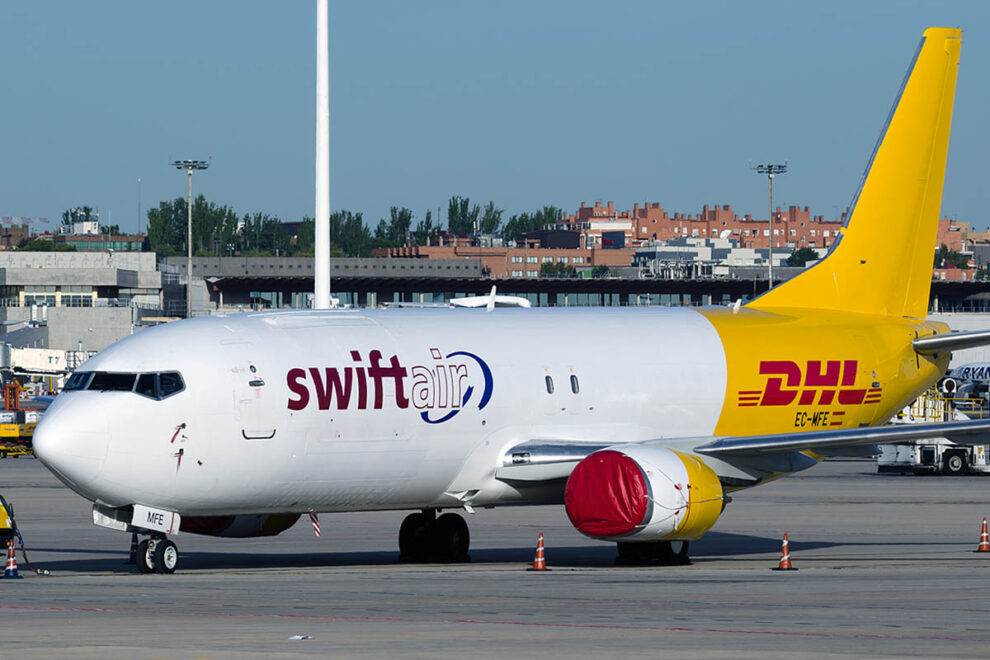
{"points": [[831, 348], [882, 263]]}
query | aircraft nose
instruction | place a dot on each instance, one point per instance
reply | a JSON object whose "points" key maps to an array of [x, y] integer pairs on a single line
{"points": [[71, 440]]}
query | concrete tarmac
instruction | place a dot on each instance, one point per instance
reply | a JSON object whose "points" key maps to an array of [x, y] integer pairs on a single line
{"points": [[886, 568]]}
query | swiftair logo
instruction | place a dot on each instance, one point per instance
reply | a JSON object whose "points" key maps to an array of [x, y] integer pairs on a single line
{"points": [[439, 389]]}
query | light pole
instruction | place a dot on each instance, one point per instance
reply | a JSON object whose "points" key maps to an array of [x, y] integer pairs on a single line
{"points": [[321, 250], [770, 171], [189, 166]]}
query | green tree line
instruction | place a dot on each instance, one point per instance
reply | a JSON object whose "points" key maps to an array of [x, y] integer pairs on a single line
{"points": [[217, 230]]}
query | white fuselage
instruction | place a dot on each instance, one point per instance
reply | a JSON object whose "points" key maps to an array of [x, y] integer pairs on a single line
{"points": [[376, 409]]}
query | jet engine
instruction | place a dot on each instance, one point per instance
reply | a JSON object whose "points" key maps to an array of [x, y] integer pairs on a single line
{"points": [[243, 526], [643, 493], [948, 386]]}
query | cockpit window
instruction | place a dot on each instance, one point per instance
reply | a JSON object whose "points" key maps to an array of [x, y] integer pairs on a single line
{"points": [[147, 385], [110, 382], [151, 385], [78, 381], [169, 383]]}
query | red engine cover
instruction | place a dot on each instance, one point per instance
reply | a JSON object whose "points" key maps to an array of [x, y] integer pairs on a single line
{"points": [[606, 495]]}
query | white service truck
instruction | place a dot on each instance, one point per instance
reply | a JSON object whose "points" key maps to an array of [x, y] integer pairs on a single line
{"points": [[936, 455], [933, 456]]}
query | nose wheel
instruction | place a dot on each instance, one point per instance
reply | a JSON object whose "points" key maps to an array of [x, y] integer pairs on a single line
{"points": [[157, 555]]}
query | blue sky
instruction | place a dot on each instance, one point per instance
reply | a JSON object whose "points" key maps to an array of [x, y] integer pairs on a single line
{"points": [[523, 103]]}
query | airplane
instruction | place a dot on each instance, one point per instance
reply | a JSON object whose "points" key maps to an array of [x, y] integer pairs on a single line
{"points": [[962, 380], [641, 421], [966, 388]]}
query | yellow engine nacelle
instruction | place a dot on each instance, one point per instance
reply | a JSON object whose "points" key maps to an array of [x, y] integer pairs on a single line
{"points": [[643, 493]]}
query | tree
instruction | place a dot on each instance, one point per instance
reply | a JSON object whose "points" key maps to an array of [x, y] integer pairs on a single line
{"points": [[216, 230], [45, 245], [348, 235], [395, 231], [112, 230], [601, 271], [77, 214], [946, 258], [527, 222], [305, 239], [425, 231], [167, 227], [491, 219], [262, 235], [802, 255], [462, 218], [551, 269]]}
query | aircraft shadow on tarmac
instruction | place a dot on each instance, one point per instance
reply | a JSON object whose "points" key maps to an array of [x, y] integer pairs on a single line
{"points": [[716, 546]]}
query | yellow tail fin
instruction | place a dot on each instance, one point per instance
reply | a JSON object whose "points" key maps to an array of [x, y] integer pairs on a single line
{"points": [[882, 261]]}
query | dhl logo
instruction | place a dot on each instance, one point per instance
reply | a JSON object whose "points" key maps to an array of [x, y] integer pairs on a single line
{"points": [[820, 383]]}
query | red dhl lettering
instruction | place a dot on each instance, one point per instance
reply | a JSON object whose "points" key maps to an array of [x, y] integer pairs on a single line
{"points": [[821, 382]]}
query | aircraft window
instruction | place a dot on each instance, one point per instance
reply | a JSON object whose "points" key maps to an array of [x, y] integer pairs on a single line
{"points": [[147, 385], [77, 381], [574, 384], [549, 382], [108, 382], [169, 383]]}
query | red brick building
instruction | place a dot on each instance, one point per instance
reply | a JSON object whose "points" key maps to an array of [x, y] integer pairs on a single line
{"points": [[12, 235], [792, 228]]}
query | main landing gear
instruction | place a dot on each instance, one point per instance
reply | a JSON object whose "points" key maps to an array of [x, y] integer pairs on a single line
{"points": [[157, 555], [656, 553], [424, 537]]}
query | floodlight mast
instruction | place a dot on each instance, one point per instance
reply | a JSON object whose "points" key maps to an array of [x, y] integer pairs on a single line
{"points": [[770, 170], [189, 166]]}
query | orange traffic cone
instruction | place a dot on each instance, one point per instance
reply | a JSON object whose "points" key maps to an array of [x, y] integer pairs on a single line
{"points": [[984, 545], [785, 557], [11, 572], [540, 561], [132, 556]]}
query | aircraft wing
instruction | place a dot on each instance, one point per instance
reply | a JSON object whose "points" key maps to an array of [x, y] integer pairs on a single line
{"points": [[548, 460], [954, 341], [966, 432]]}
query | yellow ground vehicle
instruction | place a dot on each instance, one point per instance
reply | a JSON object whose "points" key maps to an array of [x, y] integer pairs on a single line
{"points": [[17, 424]]}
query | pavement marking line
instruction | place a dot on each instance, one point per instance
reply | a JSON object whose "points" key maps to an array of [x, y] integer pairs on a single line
{"points": [[530, 624]]}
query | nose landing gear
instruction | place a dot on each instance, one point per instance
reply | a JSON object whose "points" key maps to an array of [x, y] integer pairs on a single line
{"points": [[157, 554]]}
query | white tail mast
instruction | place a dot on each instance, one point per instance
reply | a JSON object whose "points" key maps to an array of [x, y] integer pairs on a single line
{"points": [[321, 250]]}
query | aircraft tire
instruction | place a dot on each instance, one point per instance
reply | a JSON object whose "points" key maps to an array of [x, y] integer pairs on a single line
{"points": [[451, 539], [166, 557], [675, 553], [414, 537], [145, 560], [639, 554], [656, 553]]}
